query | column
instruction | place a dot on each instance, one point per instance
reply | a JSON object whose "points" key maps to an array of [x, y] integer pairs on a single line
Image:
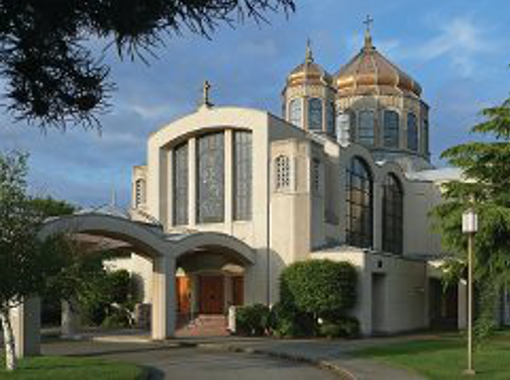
{"points": [[163, 300], [26, 326]]}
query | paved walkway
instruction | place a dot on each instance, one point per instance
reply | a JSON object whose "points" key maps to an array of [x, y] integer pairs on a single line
{"points": [[184, 363], [334, 355]]}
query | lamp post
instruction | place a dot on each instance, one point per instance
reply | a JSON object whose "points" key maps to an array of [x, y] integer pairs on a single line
{"points": [[470, 227]]}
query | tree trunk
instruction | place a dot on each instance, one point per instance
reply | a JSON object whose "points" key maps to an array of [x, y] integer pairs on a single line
{"points": [[10, 349]]}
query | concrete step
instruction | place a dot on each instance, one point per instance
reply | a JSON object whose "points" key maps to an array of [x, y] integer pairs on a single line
{"points": [[202, 325]]}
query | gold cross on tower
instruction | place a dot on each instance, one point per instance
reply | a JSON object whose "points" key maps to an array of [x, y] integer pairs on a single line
{"points": [[368, 37]]}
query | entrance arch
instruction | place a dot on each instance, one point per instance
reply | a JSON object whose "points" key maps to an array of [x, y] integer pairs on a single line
{"points": [[145, 239]]}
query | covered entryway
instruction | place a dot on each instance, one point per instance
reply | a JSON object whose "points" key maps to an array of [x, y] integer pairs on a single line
{"points": [[145, 239], [210, 279]]}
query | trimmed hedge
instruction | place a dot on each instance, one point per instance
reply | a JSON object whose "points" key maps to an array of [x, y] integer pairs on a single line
{"points": [[252, 320], [324, 288]]}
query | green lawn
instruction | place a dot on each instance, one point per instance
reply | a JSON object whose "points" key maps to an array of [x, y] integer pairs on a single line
{"points": [[444, 357], [66, 368]]}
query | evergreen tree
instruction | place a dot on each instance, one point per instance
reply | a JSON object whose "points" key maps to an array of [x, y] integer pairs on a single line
{"points": [[485, 164]]}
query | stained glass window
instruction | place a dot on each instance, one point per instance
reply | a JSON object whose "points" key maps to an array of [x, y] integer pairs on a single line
{"points": [[180, 190], [366, 127], [282, 164], [392, 214], [242, 175], [412, 132], [359, 204], [315, 114], [425, 136], [391, 129], [295, 112], [210, 178]]}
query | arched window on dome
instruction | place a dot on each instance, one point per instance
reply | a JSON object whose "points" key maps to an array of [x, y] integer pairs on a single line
{"points": [[366, 126], [412, 132], [282, 173], [391, 129], [392, 215], [315, 114], [296, 112], [359, 189]]}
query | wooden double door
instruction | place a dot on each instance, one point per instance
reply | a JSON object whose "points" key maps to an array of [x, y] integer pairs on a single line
{"points": [[211, 294]]}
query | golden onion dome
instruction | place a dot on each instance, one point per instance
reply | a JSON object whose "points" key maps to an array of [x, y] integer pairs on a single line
{"points": [[369, 72], [309, 72]]}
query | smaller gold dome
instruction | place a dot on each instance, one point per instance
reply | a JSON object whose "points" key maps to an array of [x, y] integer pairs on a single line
{"points": [[369, 72], [309, 72]]}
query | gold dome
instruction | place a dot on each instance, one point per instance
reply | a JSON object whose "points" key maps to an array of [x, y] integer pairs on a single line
{"points": [[369, 72], [309, 72]]}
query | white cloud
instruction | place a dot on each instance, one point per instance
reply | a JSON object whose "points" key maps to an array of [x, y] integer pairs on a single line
{"points": [[461, 41]]}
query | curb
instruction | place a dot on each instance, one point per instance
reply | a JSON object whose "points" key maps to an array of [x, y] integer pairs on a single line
{"points": [[342, 373]]}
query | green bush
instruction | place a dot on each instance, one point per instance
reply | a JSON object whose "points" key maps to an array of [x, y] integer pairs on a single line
{"points": [[324, 288], [286, 321], [252, 320], [346, 327]]}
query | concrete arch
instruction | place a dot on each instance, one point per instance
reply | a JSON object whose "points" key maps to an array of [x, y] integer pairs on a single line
{"points": [[137, 234], [235, 247]]}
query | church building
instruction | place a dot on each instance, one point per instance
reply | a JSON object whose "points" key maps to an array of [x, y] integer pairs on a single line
{"points": [[344, 173]]}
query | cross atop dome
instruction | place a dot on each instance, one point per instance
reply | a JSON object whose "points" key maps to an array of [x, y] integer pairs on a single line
{"points": [[309, 52], [368, 36]]}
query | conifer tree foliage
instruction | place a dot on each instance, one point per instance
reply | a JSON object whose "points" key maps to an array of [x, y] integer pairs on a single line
{"points": [[485, 164], [53, 77]]}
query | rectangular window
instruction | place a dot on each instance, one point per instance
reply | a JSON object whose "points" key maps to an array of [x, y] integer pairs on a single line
{"points": [[242, 175], [180, 181], [211, 178]]}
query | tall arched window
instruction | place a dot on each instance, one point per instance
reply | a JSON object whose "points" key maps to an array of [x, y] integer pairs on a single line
{"points": [[391, 129], [242, 175], [393, 215], [295, 112], [315, 114], [412, 132], [180, 193], [211, 178], [139, 192], [366, 126], [282, 173], [359, 204]]}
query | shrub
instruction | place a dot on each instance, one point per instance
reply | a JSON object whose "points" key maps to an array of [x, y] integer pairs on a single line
{"points": [[346, 327], [252, 320], [319, 287], [286, 321]]}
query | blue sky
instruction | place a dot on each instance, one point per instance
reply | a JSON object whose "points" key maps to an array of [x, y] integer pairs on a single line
{"points": [[458, 50]]}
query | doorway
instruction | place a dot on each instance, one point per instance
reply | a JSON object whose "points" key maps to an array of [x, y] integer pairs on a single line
{"points": [[211, 290]]}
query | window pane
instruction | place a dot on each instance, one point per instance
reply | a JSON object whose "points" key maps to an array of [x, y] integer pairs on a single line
{"points": [[242, 175], [315, 114], [359, 204], [331, 118], [295, 112], [180, 201], [412, 132], [366, 127], [391, 129], [210, 173], [393, 211]]}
